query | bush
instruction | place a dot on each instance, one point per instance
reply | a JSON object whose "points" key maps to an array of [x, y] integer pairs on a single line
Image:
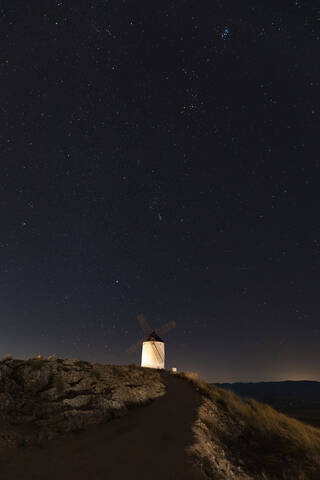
{"points": [[119, 371], [7, 357], [21, 443], [95, 373], [191, 375], [59, 384], [36, 363]]}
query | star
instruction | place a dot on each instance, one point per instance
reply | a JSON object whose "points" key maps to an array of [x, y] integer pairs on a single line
{"points": [[225, 34]]}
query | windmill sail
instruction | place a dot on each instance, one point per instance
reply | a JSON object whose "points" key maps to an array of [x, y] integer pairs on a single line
{"points": [[144, 324], [157, 352], [165, 328], [135, 346]]}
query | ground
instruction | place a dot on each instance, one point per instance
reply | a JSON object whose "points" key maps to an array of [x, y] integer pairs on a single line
{"points": [[68, 419], [148, 443]]}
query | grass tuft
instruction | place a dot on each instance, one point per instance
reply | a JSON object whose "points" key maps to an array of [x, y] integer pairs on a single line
{"points": [[95, 373], [59, 384], [191, 375], [7, 357]]}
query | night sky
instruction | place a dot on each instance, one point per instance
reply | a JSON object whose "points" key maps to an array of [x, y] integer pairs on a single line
{"points": [[162, 158]]}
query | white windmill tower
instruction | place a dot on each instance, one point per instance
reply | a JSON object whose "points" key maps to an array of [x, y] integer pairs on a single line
{"points": [[153, 351]]}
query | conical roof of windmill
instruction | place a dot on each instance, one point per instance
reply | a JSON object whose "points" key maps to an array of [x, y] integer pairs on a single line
{"points": [[154, 337]]}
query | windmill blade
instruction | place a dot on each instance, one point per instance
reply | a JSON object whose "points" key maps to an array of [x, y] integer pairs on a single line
{"points": [[143, 324], [156, 350], [135, 346], [165, 328]]}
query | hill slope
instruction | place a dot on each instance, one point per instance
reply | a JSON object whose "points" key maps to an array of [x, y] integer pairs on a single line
{"points": [[299, 399], [303, 392], [245, 439], [192, 432]]}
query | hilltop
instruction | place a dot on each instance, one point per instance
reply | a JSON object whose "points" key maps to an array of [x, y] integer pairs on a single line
{"points": [[71, 419], [40, 399]]}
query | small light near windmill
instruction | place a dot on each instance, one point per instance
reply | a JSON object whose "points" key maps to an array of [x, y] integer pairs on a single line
{"points": [[174, 370]]}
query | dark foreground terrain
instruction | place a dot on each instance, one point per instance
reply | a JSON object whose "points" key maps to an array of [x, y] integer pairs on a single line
{"points": [[148, 443], [68, 419]]}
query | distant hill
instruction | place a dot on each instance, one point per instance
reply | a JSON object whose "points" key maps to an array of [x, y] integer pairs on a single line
{"points": [[293, 392], [300, 399]]}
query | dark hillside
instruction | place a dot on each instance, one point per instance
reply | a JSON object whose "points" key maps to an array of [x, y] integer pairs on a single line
{"points": [[300, 399], [70, 419], [250, 440]]}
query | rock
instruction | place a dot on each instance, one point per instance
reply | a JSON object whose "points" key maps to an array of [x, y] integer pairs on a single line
{"points": [[49, 398], [34, 377]]}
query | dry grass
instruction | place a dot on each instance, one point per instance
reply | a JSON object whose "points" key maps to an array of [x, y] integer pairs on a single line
{"points": [[191, 375], [270, 424], [267, 441], [7, 357]]}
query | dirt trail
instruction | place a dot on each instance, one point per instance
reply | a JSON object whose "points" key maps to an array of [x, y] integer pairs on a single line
{"points": [[148, 443]]}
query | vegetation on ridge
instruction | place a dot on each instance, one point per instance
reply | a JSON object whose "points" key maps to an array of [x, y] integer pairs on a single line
{"points": [[255, 438]]}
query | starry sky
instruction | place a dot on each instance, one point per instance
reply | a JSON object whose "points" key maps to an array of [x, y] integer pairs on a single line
{"points": [[162, 158]]}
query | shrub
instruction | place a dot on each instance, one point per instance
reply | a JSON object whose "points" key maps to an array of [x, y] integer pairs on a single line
{"points": [[95, 373], [36, 363], [59, 384], [119, 372], [191, 375], [7, 357], [133, 366], [52, 357], [21, 443]]}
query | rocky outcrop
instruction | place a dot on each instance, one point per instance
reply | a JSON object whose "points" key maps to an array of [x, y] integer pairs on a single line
{"points": [[211, 454], [40, 399]]}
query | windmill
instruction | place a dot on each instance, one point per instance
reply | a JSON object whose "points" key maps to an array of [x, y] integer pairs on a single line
{"points": [[152, 344]]}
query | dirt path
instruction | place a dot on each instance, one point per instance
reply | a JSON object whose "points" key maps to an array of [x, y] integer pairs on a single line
{"points": [[148, 443]]}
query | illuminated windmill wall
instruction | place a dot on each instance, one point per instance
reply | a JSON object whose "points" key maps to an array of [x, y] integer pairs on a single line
{"points": [[153, 351]]}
